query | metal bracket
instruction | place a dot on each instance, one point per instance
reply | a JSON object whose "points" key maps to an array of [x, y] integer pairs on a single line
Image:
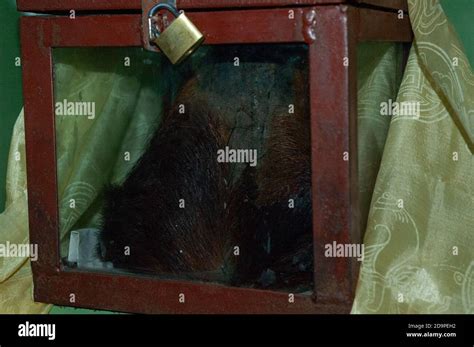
{"points": [[146, 6]]}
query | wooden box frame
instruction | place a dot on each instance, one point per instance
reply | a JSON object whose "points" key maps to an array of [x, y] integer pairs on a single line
{"points": [[332, 33]]}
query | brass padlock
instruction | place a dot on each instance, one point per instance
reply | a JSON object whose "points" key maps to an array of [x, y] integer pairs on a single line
{"points": [[180, 39]]}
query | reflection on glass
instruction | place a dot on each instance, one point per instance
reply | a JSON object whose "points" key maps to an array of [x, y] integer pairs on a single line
{"points": [[200, 172]]}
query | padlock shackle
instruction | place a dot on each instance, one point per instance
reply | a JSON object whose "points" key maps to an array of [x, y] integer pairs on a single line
{"points": [[155, 9]]}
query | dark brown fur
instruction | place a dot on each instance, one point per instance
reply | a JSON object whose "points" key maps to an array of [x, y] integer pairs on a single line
{"points": [[144, 212], [197, 242], [282, 236]]}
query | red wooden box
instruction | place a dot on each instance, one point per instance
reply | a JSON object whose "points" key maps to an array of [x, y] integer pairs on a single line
{"points": [[330, 28]]}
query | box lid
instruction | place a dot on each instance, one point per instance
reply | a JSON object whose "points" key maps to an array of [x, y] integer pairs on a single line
{"points": [[135, 5]]}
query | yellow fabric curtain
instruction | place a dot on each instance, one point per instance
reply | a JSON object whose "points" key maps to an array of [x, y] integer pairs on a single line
{"points": [[419, 238], [419, 255], [15, 273]]}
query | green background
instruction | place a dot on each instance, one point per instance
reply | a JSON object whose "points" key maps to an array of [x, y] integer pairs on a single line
{"points": [[460, 13]]}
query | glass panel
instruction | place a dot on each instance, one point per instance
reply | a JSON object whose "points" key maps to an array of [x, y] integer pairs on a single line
{"points": [[199, 172]]}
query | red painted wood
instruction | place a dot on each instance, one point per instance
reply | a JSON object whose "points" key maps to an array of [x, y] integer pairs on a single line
{"points": [[90, 31], [196, 4], [334, 181], [233, 27], [66, 5], [251, 26], [40, 148], [395, 4], [146, 295], [371, 22]]}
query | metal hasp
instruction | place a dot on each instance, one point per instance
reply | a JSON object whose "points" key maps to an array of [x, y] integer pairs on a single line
{"points": [[179, 39]]}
